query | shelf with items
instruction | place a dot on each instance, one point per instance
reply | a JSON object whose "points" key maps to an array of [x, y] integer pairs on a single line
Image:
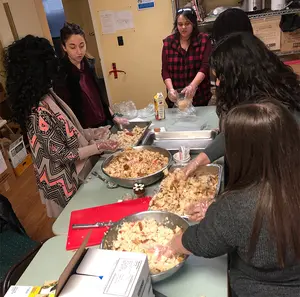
{"points": [[258, 15], [281, 54]]}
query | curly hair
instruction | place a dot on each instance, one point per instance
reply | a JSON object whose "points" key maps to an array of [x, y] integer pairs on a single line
{"points": [[230, 21], [30, 65], [247, 69]]}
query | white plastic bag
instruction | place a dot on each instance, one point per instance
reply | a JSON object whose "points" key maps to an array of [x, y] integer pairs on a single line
{"points": [[127, 109]]}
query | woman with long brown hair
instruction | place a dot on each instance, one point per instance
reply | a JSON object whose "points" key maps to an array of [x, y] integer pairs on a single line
{"points": [[256, 220]]}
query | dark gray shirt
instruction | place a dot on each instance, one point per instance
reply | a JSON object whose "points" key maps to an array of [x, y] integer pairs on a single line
{"points": [[227, 228], [216, 149]]}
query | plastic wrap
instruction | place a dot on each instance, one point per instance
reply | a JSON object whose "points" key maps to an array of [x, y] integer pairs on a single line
{"points": [[127, 109], [184, 106], [147, 111]]}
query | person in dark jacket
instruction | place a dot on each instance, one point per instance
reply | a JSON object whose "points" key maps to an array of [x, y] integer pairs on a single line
{"points": [[78, 84], [256, 220]]}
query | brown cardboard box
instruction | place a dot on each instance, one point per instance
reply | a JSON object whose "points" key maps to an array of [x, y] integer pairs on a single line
{"points": [[7, 177], [295, 64], [290, 41], [268, 31]]}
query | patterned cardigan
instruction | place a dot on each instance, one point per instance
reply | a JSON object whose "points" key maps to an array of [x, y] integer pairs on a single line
{"points": [[54, 145]]}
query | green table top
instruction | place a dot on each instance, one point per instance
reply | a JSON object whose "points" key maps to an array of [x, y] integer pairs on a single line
{"points": [[199, 276], [95, 193]]}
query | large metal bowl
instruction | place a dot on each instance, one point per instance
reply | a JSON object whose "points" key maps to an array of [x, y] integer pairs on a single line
{"points": [[146, 180], [166, 218]]}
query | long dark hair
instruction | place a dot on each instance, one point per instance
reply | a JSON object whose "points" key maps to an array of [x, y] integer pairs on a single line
{"points": [[31, 66], [262, 143], [246, 68], [230, 21], [191, 15]]}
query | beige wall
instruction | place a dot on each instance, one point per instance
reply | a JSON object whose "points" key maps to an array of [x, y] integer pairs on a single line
{"points": [[78, 12], [28, 16], [140, 56]]}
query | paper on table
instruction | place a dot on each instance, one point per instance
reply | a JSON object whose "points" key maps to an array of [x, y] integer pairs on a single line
{"points": [[108, 23], [124, 20]]}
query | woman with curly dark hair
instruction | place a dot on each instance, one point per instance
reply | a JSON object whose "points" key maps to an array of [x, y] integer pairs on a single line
{"points": [[246, 70], [60, 146]]}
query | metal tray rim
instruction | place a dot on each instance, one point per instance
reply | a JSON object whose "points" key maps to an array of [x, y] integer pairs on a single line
{"points": [[173, 134]]}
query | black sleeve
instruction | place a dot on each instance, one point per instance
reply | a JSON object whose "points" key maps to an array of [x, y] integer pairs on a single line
{"points": [[214, 235], [216, 149]]}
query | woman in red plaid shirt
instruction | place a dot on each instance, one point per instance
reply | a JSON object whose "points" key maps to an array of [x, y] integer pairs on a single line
{"points": [[185, 58]]}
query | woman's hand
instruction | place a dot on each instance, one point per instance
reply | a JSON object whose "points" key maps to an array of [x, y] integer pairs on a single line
{"points": [[174, 247], [197, 211], [121, 121], [201, 160], [189, 91], [160, 251], [107, 145], [172, 95], [102, 133]]}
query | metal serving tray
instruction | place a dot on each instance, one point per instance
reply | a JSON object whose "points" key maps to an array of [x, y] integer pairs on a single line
{"points": [[115, 129], [197, 141], [210, 169]]}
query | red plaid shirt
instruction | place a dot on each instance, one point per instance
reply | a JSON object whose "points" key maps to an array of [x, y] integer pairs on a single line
{"points": [[182, 66]]}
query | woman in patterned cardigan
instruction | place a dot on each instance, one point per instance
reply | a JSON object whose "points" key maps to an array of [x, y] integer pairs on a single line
{"points": [[60, 146]]}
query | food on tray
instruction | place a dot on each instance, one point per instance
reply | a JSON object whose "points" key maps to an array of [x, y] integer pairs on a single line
{"points": [[128, 138], [142, 237], [136, 163], [176, 194], [157, 129]]}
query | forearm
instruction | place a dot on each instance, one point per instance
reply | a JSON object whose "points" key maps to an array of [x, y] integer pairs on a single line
{"points": [[88, 151], [169, 84], [203, 159], [216, 149], [197, 80]]}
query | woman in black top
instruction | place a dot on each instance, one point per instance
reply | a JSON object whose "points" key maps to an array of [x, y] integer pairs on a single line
{"points": [[256, 220], [78, 84]]}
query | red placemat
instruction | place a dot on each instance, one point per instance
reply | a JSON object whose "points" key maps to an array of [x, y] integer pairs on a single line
{"points": [[110, 212]]}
